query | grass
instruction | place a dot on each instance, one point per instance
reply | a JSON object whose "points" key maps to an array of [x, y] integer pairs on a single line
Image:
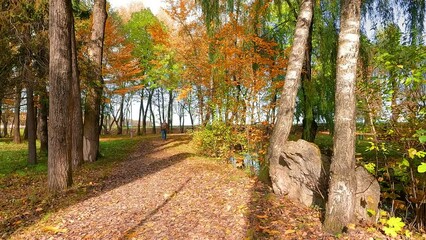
{"points": [[23, 186], [13, 160], [13, 157]]}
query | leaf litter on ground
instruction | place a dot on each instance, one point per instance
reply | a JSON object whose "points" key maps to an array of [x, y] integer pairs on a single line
{"points": [[163, 190]]}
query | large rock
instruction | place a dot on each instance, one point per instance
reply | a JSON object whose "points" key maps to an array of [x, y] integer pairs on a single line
{"points": [[367, 195], [301, 173]]}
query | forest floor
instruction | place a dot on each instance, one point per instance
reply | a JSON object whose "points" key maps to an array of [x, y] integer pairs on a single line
{"points": [[164, 190]]}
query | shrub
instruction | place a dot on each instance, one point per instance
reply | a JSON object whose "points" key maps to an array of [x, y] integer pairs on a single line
{"points": [[218, 140]]}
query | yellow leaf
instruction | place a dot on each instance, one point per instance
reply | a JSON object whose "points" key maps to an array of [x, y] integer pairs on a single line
{"points": [[54, 229], [412, 153], [289, 231], [351, 226]]}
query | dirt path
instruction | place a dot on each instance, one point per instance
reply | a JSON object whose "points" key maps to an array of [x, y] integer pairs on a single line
{"points": [[161, 192], [165, 191]]}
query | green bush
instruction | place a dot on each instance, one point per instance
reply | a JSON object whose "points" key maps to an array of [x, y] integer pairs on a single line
{"points": [[218, 140]]}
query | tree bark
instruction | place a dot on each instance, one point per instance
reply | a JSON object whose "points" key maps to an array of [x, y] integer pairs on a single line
{"points": [[308, 90], [31, 126], [60, 76], [200, 97], [140, 114], [145, 115], [1, 112], [288, 97], [42, 126], [163, 107], [77, 115], [94, 90], [159, 107], [190, 117], [25, 135], [341, 199], [154, 131], [17, 117], [120, 117], [170, 111], [3, 119]]}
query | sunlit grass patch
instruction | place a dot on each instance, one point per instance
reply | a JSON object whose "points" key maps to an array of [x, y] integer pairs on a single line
{"points": [[13, 159]]}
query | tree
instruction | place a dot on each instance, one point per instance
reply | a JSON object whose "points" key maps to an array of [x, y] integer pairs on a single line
{"points": [[17, 116], [77, 115], [122, 69], [292, 81], [60, 76], [94, 87], [341, 196]]}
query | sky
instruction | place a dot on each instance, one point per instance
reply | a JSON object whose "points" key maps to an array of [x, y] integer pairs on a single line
{"points": [[154, 5]]}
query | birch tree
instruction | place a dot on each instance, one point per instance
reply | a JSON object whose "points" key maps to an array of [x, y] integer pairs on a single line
{"points": [[287, 103], [341, 199]]}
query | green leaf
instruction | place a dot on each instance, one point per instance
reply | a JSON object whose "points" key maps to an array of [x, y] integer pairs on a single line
{"points": [[421, 154], [405, 162], [422, 139], [421, 168], [370, 167]]}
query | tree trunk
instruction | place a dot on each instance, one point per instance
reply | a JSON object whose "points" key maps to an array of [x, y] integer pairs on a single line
{"points": [[170, 111], [273, 107], [162, 105], [25, 135], [1, 112], [191, 118], [288, 97], [77, 115], [200, 97], [120, 117], [310, 127], [17, 117], [3, 119], [60, 76], [154, 131], [101, 117], [159, 107], [145, 115], [341, 199], [31, 126], [94, 90], [42, 126], [140, 113]]}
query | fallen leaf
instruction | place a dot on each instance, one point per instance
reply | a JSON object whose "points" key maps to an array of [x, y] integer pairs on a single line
{"points": [[351, 226], [261, 216], [54, 229]]}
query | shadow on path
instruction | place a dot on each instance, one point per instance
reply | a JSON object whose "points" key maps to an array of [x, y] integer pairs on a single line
{"points": [[148, 158], [129, 232]]}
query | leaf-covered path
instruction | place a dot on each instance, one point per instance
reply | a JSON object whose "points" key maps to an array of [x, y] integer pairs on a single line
{"points": [[165, 191]]}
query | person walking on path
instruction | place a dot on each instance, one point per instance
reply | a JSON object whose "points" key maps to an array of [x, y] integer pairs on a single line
{"points": [[164, 130]]}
